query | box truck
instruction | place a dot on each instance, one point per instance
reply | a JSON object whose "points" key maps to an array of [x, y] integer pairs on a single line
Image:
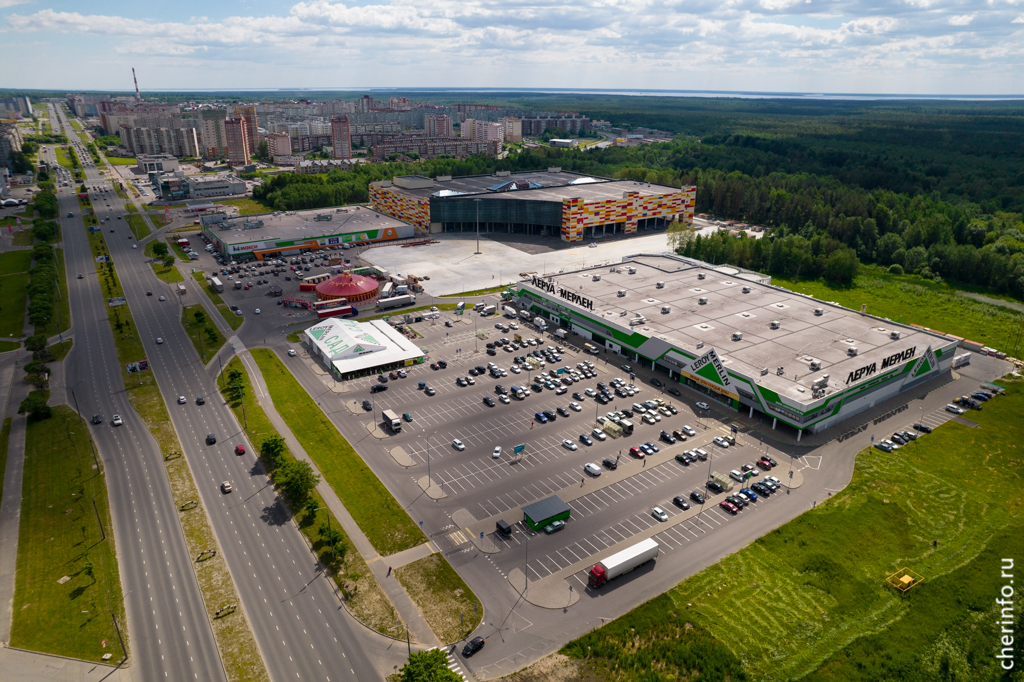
{"points": [[392, 420], [218, 286], [396, 301], [524, 315], [540, 323], [238, 284], [509, 311], [623, 562], [561, 333], [488, 310]]}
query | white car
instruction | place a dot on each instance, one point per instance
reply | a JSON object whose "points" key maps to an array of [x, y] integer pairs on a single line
{"points": [[720, 442], [513, 325], [135, 246], [181, 400], [665, 411], [470, 380], [599, 434], [225, 487], [504, 399], [162, 298], [159, 340], [291, 353], [117, 420], [954, 409], [576, 407], [569, 445], [590, 393], [515, 369], [659, 513], [703, 406], [458, 444], [496, 454], [689, 431], [649, 418], [592, 469]]}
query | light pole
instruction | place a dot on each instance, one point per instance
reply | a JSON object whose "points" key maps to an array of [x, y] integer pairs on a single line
{"points": [[334, 557]]}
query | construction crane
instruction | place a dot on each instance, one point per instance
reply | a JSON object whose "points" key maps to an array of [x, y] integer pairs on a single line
{"points": [[138, 97]]}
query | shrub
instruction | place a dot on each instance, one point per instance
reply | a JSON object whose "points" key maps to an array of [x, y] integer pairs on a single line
{"points": [[895, 269]]}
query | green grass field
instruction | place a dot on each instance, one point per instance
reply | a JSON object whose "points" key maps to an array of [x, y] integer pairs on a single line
{"points": [[363, 594], [131, 208], [913, 300], [171, 274], [63, 158], [5, 437], [59, 350], [138, 225], [14, 267], [811, 596], [379, 515], [205, 348], [448, 605], [23, 238], [76, 125], [60, 321], [233, 320], [64, 518], [120, 161], [246, 206]]}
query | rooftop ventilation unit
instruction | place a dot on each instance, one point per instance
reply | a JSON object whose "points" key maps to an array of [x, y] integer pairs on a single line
{"points": [[620, 293], [746, 290], [632, 271], [851, 351], [737, 336], [597, 278], [665, 310], [818, 312], [894, 335], [780, 371], [764, 371], [701, 275], [700, 344], [702, 300], [815, 365], [774, 324], [660, 285]]}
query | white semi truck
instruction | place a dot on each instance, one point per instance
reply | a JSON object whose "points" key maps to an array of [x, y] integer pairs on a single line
{"points": [[396, 301], [623, 562]]}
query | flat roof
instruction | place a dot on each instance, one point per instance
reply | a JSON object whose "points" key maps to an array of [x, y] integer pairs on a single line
{"points": [[352, 346], [802, 335], [546, 508], [534, 185], [300, 225]]}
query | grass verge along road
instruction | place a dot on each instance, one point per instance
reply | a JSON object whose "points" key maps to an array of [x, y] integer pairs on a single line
{"points": [[14, 266], [233, 320], [386, 524], [205, 337], [67, 586], [449, 607]]}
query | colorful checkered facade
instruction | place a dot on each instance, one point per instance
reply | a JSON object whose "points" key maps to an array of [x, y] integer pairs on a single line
{"points": [[402, 206], [578, 214]]}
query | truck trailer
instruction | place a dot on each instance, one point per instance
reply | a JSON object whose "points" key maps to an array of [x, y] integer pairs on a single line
{"points": [[392, 420], [396, 301], [217, 285], [623, 562]]}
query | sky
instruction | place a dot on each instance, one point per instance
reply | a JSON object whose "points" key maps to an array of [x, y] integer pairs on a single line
{"points": [[945, 47]]}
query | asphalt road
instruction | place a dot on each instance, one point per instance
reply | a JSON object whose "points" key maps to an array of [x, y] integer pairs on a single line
{"points": [[170, 634], [301, 627]]}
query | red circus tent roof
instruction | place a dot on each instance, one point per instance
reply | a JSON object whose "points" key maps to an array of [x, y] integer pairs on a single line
{"points": [[346, 285]]}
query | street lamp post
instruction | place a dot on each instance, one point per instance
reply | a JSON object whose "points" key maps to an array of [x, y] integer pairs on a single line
{"points": [[334, 557]]}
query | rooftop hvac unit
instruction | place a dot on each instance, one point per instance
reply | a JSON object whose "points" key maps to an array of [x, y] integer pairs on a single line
{"points": [[632, 271], [820, 383], [894, 335], [701, 275], [818, 312], [774, 324], [764, 371], [746, 290], [620, 293], [660, 285], [737, 336], [851, 351], [702, 300], [665, 310], [815, 365], [611, 269], [597, 278]]}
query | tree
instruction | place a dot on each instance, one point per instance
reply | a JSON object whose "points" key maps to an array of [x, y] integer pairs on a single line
{"points": [[35, 343], [427, 666], [36, 407], [296, 479], [272, 452], [262, 152], [333, 538], [895, 269], [679, 236], [211, 334], [168, 260], [199, 315], [841, 267], [160, 249]]}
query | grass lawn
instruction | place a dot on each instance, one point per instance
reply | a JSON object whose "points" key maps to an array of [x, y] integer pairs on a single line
{"points": [[234, 320], [76, 125], [171, 275], [23, 238], [402, 311], [823, 574], [120, 161], [442, 596], [294, 337], [5, 437], [60, 321], [63, 158], [158, 219], [138, 225], [385, 523], [60, 350], [911, 299], [200, 332], [64, 517], [131, 208], [234, 638], [180, 252], [246, 206], [14, 267], [363, 594], [15, 262], [477, 292]]}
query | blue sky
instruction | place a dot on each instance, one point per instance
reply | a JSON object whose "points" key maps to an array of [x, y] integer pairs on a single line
{"points": [[866, 46]]}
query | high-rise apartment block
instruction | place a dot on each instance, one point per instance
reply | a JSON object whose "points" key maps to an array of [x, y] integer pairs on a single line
{"points": [[279, 144], [438, 126], [513, 129], [237, 133], [341, 138], [364, 104], [400, 104], [251, 125], [483, 131]]}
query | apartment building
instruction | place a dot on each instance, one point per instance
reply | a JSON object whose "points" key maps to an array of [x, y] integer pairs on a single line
{"points": [[341, 138], [513, 129], [251, 124], [279, 144], [237, 134], [438, 126]]}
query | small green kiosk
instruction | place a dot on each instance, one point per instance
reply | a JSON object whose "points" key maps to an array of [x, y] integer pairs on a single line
{"points": [[540, 514]]}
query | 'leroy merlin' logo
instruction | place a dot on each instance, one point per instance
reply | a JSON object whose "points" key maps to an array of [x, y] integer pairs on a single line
{"points": [[709, 367]]}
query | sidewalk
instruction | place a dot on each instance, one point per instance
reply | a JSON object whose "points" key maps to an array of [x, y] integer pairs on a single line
{"points": [[29, 666], [379, 565]]}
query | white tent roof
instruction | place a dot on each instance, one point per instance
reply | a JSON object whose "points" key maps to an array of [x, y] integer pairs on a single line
{"points": [[352, 346]]}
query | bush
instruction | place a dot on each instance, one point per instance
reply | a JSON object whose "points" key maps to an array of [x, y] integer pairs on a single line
{"points": [[895, 269], [296, 479], [841, 267], [36, 407]]}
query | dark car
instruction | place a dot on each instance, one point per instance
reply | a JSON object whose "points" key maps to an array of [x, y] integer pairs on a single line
{"points": [[697, 497], [376, 388], [683, 459], [488, 401], [714, 486], [382, 379], [610, 463], [200, 400], [500, 390], [577, 396], [680, 502], [442, 364], [627, 413], [737, 500], [898, 439], [210, 439], [550, 415], [97, 419], [923, 428], [656, 382], [562, 411], [771, 461], [585, 439], [674, 391], [668, 437]]}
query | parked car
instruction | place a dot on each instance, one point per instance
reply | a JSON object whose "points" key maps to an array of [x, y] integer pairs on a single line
{"points": [[472, 646], [610, 463], [659, 513], [681, 502], [697, 497], [458, 444], [592, 469], [954, 409], [703, 406], [923, 428], [554, 527]]}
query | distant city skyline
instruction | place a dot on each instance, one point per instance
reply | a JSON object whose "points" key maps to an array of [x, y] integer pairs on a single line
{"points": [[897, 47]]}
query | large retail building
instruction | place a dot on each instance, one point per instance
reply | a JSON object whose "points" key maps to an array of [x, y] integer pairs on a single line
{"points": [[552, 203], [745, 343], [289, 232], [351, 349]]}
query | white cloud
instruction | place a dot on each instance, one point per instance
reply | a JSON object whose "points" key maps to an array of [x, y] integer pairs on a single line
{"points": [[960, 19], [12, 3]]}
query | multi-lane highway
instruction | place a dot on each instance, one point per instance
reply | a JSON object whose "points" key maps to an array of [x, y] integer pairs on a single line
{"points": [[300, 626], [170, 633]]}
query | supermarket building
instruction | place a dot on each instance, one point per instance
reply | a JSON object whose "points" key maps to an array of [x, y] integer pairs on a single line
{"points": [[554, 203], [284, 233], [739, 340]]}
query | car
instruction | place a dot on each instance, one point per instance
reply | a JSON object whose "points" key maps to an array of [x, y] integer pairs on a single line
{"points": [[703, 406], [496, 453], [659, 513], [896, 438], [470, 380], [681, 502], [766, 458], [550, 415], [697, 497], [382, 379], [667, 437], [763, 465], [750, 494], [561, 390], [577, 396], [907, 435], [367, 405], [159, 340], [729, 507], [377, 388], [488, 401], [720, 442], [610, 464], [585, 439], [392, 375], [674, 391], [458, 445], [70, 214], [599, 434], [291, 353], [541, 417], [182, 400], [656, 382], [225, 487], [442, 364], [554, 527], [653, 447], [569, 445], [562, 411], [627, 368], [575, 407], [923, 428], [210, 439], [649, 419], [637, 452], [954, 409], [714, 486], [406, 416], [504, 399], [239, 449], [162, 298], [592, 469], [884, 446]]}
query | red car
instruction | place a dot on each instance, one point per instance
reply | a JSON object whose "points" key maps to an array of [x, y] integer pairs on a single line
{"points": [[765, 466], [728, 506], [636, 452], [239, 449]]}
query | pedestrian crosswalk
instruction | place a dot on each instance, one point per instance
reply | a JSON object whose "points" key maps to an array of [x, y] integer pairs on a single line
{"points": [[458, 537], [453, 663]]}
